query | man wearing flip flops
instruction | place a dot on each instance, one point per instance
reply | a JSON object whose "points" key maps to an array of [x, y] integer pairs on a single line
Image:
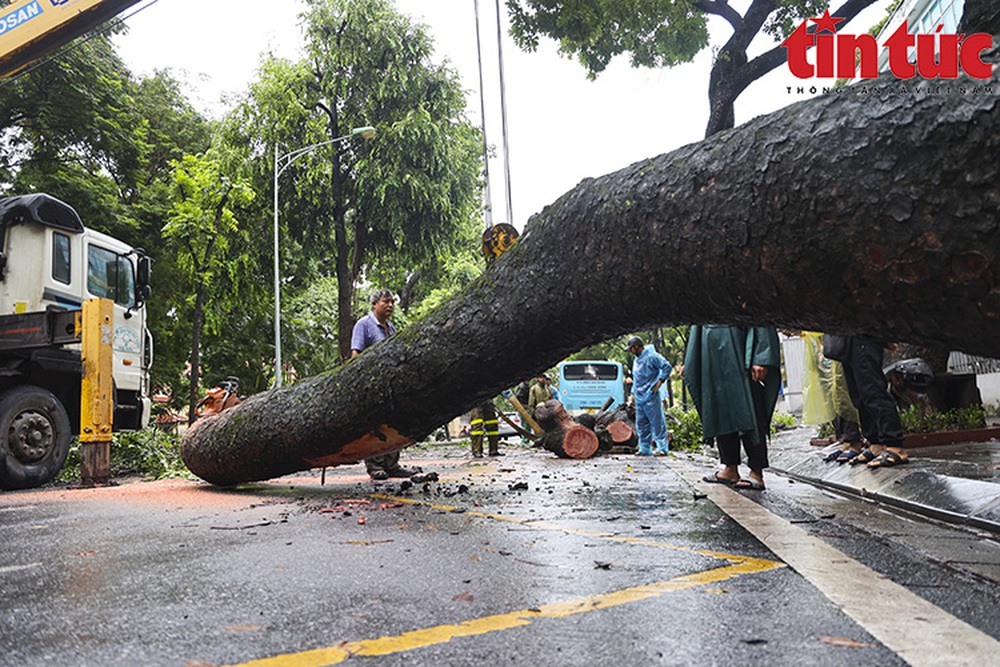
{"points": [[734, 374]]}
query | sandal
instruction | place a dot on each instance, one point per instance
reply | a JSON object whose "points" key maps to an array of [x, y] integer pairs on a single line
{"points": [[866, 456], [832, 456], [847, 456], [888, 459], [749, 483], [715, 479]]}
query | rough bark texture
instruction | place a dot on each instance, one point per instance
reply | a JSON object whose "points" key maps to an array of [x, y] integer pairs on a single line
{"points": [[866, 212]]}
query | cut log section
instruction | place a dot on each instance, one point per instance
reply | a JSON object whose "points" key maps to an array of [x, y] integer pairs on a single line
{"points": [[578, 442], [621, 433], [567, 438]]}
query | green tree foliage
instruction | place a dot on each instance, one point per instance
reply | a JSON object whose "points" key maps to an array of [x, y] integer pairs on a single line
{"points": [[81, 128], [360, 209], [313, 328], [72, 128], [655, 33], [204, 232], [454, 271], [173, 129], [664, 33]]}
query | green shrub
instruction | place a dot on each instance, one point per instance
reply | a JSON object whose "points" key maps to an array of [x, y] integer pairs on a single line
{"points": [[151, 454], [687, 434], [826, 430], [957, 419], [781, 421]]}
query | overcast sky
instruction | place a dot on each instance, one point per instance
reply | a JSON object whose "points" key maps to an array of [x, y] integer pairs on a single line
{"points": [[562, 127]]}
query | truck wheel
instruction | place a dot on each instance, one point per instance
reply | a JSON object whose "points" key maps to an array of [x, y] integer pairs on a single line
{"points": [[34, 437]]}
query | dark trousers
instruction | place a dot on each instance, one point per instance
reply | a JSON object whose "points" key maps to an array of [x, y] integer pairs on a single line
{"points": [[846, 430], [867, 386], [729, 443]]}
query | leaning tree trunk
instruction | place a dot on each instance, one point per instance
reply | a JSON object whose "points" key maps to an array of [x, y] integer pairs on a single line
{"points": [[866, 212]]}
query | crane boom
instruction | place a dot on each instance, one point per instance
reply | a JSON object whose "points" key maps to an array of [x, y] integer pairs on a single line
{"points": [[30, 29]]}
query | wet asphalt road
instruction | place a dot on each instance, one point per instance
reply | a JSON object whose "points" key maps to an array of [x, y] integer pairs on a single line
{"points": [[521, 560]]}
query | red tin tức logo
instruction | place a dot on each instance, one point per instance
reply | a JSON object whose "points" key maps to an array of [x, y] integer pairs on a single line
{"points": [[846, 56]]}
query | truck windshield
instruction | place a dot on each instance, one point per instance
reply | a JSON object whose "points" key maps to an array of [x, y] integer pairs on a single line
{"points": [[110, 276]]}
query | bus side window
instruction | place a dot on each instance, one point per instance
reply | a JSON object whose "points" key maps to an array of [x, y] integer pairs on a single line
{"points": [[61, 258]]}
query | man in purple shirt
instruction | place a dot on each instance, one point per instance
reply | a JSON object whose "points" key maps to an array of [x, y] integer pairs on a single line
{"points": [[370, 329]]}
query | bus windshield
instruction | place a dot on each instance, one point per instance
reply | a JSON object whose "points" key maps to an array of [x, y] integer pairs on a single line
{"points": [[585, 386]]}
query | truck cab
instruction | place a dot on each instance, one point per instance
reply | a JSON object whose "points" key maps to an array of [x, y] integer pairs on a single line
{"points": [[49, 265]]}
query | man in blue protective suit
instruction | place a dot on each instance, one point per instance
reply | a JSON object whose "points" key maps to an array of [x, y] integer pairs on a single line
{"points": [[649, 371]]}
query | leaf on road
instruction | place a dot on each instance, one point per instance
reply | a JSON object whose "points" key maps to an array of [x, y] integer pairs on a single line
{"points": [[365, 543], [243, 628], [715, 591], [843, 641], [464, 596]]}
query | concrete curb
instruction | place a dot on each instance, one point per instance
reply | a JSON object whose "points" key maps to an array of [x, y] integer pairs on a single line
{"points": [[944, 497]]}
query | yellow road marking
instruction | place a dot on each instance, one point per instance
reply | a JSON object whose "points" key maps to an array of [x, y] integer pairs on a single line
{"points": [[547, 525], [479, 626], [740, 565]]}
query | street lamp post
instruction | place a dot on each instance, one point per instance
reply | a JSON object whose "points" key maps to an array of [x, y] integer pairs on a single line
{"points": [[282, 162]]}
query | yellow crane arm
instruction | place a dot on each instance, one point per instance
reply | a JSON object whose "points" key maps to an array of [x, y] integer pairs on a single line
{"points": [[30, 29]]}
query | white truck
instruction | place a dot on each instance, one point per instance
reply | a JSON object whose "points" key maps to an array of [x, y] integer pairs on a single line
{"points": [[49, 265]]}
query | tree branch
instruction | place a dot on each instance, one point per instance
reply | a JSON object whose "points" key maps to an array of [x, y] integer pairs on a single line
{"points": [[721, 8]]}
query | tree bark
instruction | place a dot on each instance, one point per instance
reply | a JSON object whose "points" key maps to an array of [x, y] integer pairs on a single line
{"points": [[859, 211], [196, 329], [563, 436]]}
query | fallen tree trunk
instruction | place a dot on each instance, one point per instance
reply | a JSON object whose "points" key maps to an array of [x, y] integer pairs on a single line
{"points": [[563, 436], [863, 211]]}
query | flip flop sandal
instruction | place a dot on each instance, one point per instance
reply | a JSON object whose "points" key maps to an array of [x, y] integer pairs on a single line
{"points": [[749, 483], [832, 456], [847, 455], [888, 459], [866, 456], [715, 479]]}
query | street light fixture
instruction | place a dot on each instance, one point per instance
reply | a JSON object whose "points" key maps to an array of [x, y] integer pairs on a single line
{"points": [[282, 162]]}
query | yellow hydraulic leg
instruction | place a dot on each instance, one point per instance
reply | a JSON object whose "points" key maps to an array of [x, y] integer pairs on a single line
{"points": [[96, 395]]}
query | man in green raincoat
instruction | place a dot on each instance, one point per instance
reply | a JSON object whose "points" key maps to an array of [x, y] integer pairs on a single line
{"points": [[734, 374]]}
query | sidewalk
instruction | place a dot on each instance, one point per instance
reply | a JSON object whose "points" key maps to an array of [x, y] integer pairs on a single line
{"points": [[955, 483]]}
